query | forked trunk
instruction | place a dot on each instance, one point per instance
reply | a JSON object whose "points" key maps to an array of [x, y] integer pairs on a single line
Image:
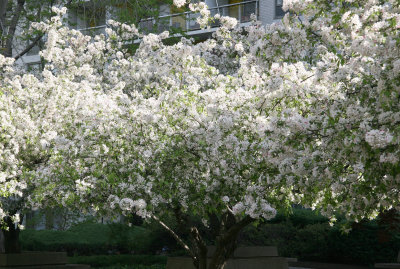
{"points": [[225, 244], [227, 233], [218, 260]]}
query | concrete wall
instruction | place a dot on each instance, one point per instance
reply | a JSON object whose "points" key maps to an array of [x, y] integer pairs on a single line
{"points": [[266, 11]]}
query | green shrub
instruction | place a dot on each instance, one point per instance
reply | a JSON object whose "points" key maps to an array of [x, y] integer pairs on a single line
{"points": [[299, 217], [89, 238], [362, 245], [307, 235]]}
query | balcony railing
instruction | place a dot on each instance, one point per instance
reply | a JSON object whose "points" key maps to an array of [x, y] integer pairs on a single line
{"points": [[186, 21], [92, 31]]}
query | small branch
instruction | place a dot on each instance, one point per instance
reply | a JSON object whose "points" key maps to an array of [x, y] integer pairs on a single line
{"points": [[311, 31], [177, 238], [229, 209], [261, 106], [28, 48], [307, 78]]}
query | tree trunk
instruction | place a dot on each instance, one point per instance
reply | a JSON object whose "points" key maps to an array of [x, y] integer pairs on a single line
{"points": [[13, 27], [11, 237], [1, 242], [49, 217], [3, 8], [200, 248]]}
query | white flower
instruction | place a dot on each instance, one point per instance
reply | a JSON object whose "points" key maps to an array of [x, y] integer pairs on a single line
{"points": [[179, 3], [239, 47], [3, 177], [238, 208], [228, 22], [268, 212], [389, 158], [378, 138], [140, 204], [44, 143], [225, 199], [105, 148], [126, 204], [147, 153], [295, 5]]}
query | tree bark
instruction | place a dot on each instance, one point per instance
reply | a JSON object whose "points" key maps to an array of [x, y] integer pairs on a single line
{"points": [[11, 237], [13, 27]]}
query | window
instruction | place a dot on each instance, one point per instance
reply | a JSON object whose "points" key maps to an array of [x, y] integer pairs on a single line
{"points": [[247, 10], [85, 16], [178, 21], [279, 13]]}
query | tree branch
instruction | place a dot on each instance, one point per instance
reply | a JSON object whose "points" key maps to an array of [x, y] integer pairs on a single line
{"points": [[237, 227], [177, 238], [28, 48]]}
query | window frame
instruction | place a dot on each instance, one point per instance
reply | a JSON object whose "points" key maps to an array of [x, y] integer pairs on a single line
{"points": [[276, 6]]}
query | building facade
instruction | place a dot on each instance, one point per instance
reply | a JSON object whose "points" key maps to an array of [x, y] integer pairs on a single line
{"points": [[170, 18]]}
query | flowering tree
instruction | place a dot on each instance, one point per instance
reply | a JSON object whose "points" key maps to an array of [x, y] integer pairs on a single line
{"points": [[231, 129]]}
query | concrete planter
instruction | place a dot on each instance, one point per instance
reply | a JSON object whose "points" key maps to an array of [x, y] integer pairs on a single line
{"points": [[243, 258], [389, 265], [320, 265], [33, 260], [234, 263]]}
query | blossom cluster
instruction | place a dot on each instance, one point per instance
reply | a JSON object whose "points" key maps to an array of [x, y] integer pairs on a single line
{"points": [[303, 111]]}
